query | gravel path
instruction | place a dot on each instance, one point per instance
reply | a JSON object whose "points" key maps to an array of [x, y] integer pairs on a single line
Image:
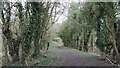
{"points": [[73, 57]]}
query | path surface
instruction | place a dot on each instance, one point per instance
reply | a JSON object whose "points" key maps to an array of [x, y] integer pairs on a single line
{"points": [[73, 57]]}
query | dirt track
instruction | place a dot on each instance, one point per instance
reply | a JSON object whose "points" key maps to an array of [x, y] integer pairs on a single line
{"points": [[73, 57]]}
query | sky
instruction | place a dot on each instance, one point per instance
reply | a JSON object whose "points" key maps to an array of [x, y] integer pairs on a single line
{"points": [[63, 17]]}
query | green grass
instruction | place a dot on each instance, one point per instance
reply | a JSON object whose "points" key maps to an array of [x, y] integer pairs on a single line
{"points": [[50, 60]]}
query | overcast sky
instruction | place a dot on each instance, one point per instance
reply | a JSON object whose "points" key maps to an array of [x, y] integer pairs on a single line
{"points": [[63, 17]]}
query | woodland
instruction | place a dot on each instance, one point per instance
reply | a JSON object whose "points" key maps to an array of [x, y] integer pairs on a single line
{"points": [[90, 27]]}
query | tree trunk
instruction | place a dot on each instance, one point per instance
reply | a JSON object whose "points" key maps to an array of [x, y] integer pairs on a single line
{"points": [[118, 42], [13, 45], [116, 50]]}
